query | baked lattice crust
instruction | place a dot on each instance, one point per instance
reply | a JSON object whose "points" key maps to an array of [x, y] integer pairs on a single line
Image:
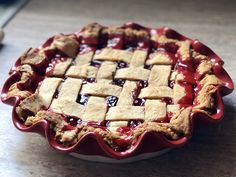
{"points": [[116, 81]]}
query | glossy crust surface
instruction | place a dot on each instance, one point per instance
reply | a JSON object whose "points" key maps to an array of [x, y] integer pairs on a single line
{"points": [[211, 82]]}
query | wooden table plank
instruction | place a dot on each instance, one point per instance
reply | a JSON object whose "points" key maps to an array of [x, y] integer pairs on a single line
{"points": [[212, 151]]}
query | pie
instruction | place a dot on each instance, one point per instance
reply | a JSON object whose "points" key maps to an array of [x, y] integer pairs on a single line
{"points": [[117, 82]]}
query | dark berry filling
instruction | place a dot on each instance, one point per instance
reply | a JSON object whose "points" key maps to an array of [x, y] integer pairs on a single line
{"points": [[171, 83], [91, 80], [121, 64], [148, 67], [185, 66], [56, 94], [73, 121], [142, 84], [125, 130], [169, 47], [134, 123], [129, 48], [82, 99], [113, 42], [167, 100], [111, 100], [119, 82], [139, 102], [96, 63]]}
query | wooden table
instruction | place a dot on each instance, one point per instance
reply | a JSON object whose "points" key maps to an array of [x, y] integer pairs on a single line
{"points": [[212, 151]]}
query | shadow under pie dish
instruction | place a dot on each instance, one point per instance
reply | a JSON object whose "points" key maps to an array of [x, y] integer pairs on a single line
{"points": [[117, 91]]}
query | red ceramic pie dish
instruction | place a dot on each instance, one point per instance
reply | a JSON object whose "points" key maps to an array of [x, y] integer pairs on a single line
{"points": [[92, 143]]}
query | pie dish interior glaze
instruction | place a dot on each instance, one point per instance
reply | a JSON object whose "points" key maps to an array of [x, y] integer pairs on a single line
{"points": [[117, 91]]}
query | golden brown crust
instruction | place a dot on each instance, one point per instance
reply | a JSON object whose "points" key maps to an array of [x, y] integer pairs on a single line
{"points": [[128, 32], [205, 98], [92, 30], [178, 93], [26, 74], [155, 110], [164, 128], [69, 137], [197, 56], [33, 119], [136, 33], [156, 92], [31, 104], [159, 58], [15, 91], [113, 30], [109, 54], [184, 49], [179, 125], [25, 69], [205, 67], [181, 121], [68, 44], [162, 39], [32, 57], [210, 79]]}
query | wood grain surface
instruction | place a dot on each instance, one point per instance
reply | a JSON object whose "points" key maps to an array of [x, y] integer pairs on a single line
{"points": [[212, 150]]}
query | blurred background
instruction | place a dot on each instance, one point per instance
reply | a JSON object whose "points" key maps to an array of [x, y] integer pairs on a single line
{"points": [[211, 153], [201, 19], [8, 8]]}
